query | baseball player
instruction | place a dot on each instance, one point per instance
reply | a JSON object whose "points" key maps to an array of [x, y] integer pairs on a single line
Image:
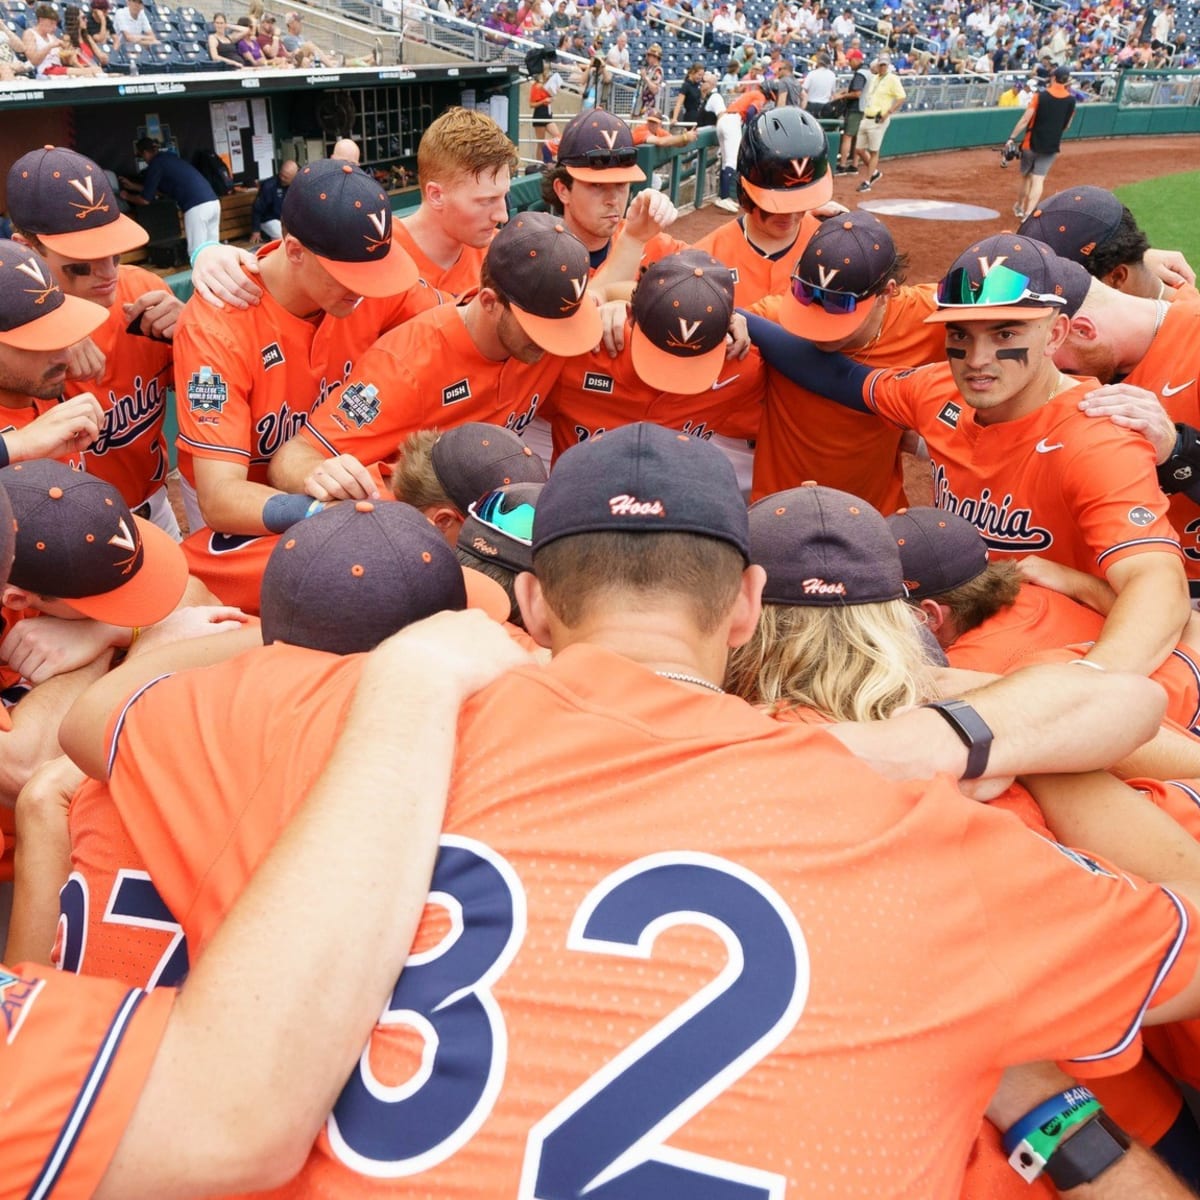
{"points": [[464, 165], [639, 546], [246, 380], [674, 367], [741, 109], [496, 539], [1090, 226], [493, 359], [846, 295], [111, 1092], [62, 205], [1010, 449], [783, 176]]}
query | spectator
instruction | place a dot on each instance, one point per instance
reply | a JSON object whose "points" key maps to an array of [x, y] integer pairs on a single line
{"points": [[131, 25], [730, 80], [651, 78], [267, 212], [652, 132], [247, 45], [41, 43], [299, 47], [618, 54], [97, 23], [222, 42], [843, 25], [11, 67], [724, 29], [181, 182], [852, 99], [747, 57], [884, 95], [540, 99], [83, 48], [688, 99], [788, 89], [270, 43], [559, 19], [820, 85]]}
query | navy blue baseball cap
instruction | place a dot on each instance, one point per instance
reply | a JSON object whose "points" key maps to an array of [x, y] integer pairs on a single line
{"points": [[1075, 221], [939, 550]]}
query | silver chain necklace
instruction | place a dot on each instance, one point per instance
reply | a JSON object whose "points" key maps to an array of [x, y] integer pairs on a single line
{"points": [[679, 677]]}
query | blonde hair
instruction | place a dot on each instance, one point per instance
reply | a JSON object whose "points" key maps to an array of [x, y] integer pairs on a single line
{"points": [[413, 478], [463, 142], [860, 662]]}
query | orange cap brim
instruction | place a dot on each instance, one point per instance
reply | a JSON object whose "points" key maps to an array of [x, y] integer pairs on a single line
{"points": [[486, 595], [69, 323], [633, 174], [389, 275], [566, 336], [151, 594], [811, 321], [86, 245], [791, 200], [987, 312], [674, 373]]}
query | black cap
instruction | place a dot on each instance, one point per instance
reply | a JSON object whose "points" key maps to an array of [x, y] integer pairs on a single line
{"points": [[1075, 221], [1062, 74], [642, 478], [597, 147], [475, 458], [343, 580], [939, 550], [823, 547]]}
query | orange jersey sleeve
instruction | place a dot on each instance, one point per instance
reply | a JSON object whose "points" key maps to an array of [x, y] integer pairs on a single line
{"points": [[130, 452], [74, 1055], [805, 436], [755, 274], [1055, 482], [427, 374], [792, 928]]}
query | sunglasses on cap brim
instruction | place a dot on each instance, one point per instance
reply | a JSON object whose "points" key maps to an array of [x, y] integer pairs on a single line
{"points": [[599, 159], [515, 523], [1001, 285], [838, 303]]}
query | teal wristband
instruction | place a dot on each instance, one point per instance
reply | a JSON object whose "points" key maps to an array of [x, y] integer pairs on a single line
{"points": [[1031, 1141], [200, 250]]}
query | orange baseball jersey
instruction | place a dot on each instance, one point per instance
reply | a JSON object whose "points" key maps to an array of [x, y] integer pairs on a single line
{"points": [[427, 374], [74, 1055], [246, 379], [756, 274], [805, 436], [456, 280], [130, 452], [1077, 490], [693, 1000], [18, 418], [595, 393], [1171, 369]]}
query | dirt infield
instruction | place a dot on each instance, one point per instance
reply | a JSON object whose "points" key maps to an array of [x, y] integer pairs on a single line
{"points": [[975, 177]]}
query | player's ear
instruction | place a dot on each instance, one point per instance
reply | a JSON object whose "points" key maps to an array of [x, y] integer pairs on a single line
{"points": [[937, 617], [293, 249], [562, 192], [435, 194], [534, 611], [1117, 277], [1084, 328], [747, 607], [1061, 327], [448, 520]]}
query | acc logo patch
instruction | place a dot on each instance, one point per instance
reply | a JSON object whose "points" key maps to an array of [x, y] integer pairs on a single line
{"points": [[272, 356], [360, 402], [206, 391], [16, 996], [594, 381], [950, 414], [1141, 516]]}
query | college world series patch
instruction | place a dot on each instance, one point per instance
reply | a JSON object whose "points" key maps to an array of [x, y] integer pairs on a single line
{"points": [[360, 403], [206, 391]]}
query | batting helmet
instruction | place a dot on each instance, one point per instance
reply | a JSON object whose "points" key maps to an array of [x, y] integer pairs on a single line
{"points": [[783, 162]]}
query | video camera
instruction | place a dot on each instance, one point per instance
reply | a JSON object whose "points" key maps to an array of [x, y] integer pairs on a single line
{"points": [[1009, 152]]}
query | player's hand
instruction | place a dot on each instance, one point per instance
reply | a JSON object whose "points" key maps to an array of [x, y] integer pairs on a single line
{"points": [[737, 341], [184, 624], [341, 478], [1044, 573], [85, 360], [219, 278], [66, 429], [613, 315], [256, 238], [159, 311], [1137, 409], [831, 208], [650, 212], [39, 650], [465, 650], [1170, 266]]}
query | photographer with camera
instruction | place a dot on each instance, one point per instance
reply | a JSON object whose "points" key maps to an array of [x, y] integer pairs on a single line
{"points": [[884, 95], [1043, 123]]}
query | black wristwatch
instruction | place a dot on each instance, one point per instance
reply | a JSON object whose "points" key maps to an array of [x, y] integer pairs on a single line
{"points": [[973, 731], [1099, 1143]]}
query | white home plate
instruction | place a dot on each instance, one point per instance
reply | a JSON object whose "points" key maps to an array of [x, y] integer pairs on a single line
{"points": [[929, 210]]}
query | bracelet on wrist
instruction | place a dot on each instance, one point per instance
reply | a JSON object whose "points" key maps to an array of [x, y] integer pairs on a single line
{"points": [[1085, 662], [200, 250], [1032, 1141], [971, 729]]}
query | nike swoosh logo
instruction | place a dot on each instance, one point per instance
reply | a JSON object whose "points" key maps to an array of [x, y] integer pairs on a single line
{"points": [[1168, 390], [1042, 448], [721, 383]]}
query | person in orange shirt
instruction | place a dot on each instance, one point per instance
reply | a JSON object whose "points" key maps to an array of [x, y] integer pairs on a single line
{"points": [[111, 1092], [651, 132], [739, 111], [673, 359], [640, 552], [464, 165], [61, 205], [783, 178], [493, 359], [1010, 449], [861, 308], [1090, 226]]}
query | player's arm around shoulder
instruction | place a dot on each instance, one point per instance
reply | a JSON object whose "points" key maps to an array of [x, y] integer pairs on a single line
{"points": [[1148, 615]]}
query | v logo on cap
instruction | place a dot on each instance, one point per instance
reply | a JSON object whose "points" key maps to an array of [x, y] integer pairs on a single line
{"points": [[123, 539], [687, 339], [827, 276], [987, 265], [33, 269], [800, 167], [86, 188], [379, 220], [609, 136]]}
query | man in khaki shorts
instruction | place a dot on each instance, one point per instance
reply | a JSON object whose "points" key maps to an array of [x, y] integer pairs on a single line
{"points": [[883, 96]]}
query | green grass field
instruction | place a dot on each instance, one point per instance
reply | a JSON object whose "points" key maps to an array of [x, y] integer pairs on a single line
{"points": [[1165, 209]]}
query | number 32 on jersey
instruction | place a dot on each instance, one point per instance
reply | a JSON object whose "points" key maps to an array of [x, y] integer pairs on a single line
{"points": [[607, 1139]]}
